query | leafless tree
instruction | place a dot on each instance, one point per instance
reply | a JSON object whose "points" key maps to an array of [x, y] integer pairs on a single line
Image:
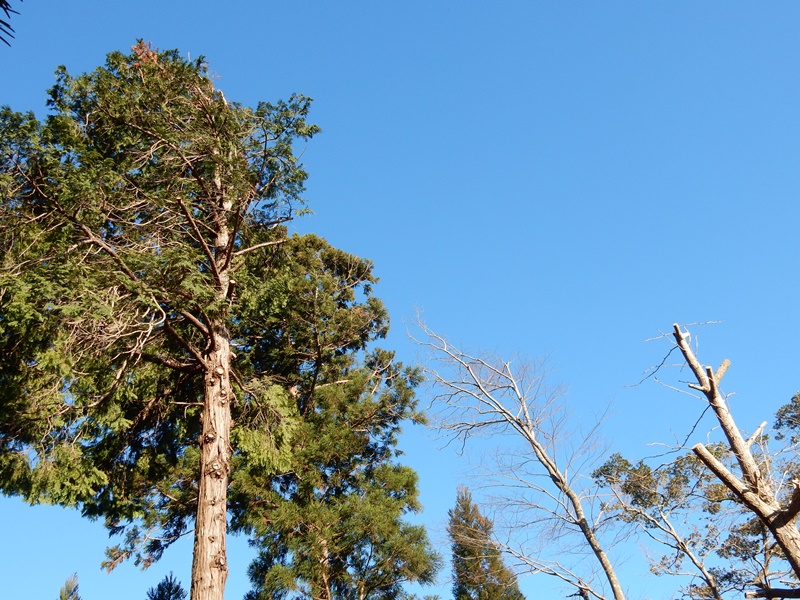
{"points": [[545, 492]]}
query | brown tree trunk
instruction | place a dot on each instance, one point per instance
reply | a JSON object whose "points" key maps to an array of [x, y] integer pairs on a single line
{"points": [[210, 565]]}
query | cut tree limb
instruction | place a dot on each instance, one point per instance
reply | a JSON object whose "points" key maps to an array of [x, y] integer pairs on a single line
{"points": [[753, 489]]}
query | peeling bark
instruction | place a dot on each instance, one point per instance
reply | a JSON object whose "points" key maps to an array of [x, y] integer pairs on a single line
{"points": [[210, 566]]}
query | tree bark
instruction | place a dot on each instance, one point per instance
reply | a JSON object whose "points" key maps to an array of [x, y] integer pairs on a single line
{"points": [[485, 393], [210, 565], [580, 520], [753, 489]]}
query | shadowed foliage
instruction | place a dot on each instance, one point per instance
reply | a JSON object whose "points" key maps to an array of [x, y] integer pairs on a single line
{"points": [[6, 31]]}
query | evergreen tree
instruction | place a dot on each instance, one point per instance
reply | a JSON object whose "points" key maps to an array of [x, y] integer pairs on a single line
{"points": [[331, 525], [168, 588], [478, 568], [125, 217], [168, 355], [70, 589]]}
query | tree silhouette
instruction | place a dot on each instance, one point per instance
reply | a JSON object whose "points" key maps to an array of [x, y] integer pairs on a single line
{"points": [[168, 588], [6, 31]]}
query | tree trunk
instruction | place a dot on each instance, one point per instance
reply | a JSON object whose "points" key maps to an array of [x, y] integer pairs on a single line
{"points": [[210, 566], [579, 515], [788, 538], [210, 563], [487, 393], [753, 489]]}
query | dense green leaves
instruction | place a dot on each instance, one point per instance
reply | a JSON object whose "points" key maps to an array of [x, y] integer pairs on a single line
{"points": [[331, 524], [112, 277], [148, 279]]}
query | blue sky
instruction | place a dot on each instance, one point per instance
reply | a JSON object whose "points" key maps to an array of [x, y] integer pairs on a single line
{"points": [[555, 178]]}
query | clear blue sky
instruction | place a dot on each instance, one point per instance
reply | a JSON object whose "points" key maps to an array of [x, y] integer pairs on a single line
{"points": [[556, 178]]}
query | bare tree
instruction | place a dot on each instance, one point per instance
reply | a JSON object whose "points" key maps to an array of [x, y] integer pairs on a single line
{"points": [[544, 490], [753, 487]]}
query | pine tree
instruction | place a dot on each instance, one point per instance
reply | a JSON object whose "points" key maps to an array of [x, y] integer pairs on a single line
{"points": [[477, 565], [168, 588]]}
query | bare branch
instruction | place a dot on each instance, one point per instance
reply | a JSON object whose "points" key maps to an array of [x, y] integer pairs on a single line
{"points": [[754, 488], [756, 434], [171, 363], [478, 394]]}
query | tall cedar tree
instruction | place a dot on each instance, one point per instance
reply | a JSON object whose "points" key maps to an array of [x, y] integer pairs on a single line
{"points": [[330, 526], [478, 568], [136, 221]]}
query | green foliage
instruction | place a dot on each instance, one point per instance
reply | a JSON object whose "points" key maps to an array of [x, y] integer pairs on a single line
{"points": [[331, 524], [702, 528], [168, 588], [70, 589], [124, 216], [665, 487], [787, 420], [141, 227], [478, 568]]}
